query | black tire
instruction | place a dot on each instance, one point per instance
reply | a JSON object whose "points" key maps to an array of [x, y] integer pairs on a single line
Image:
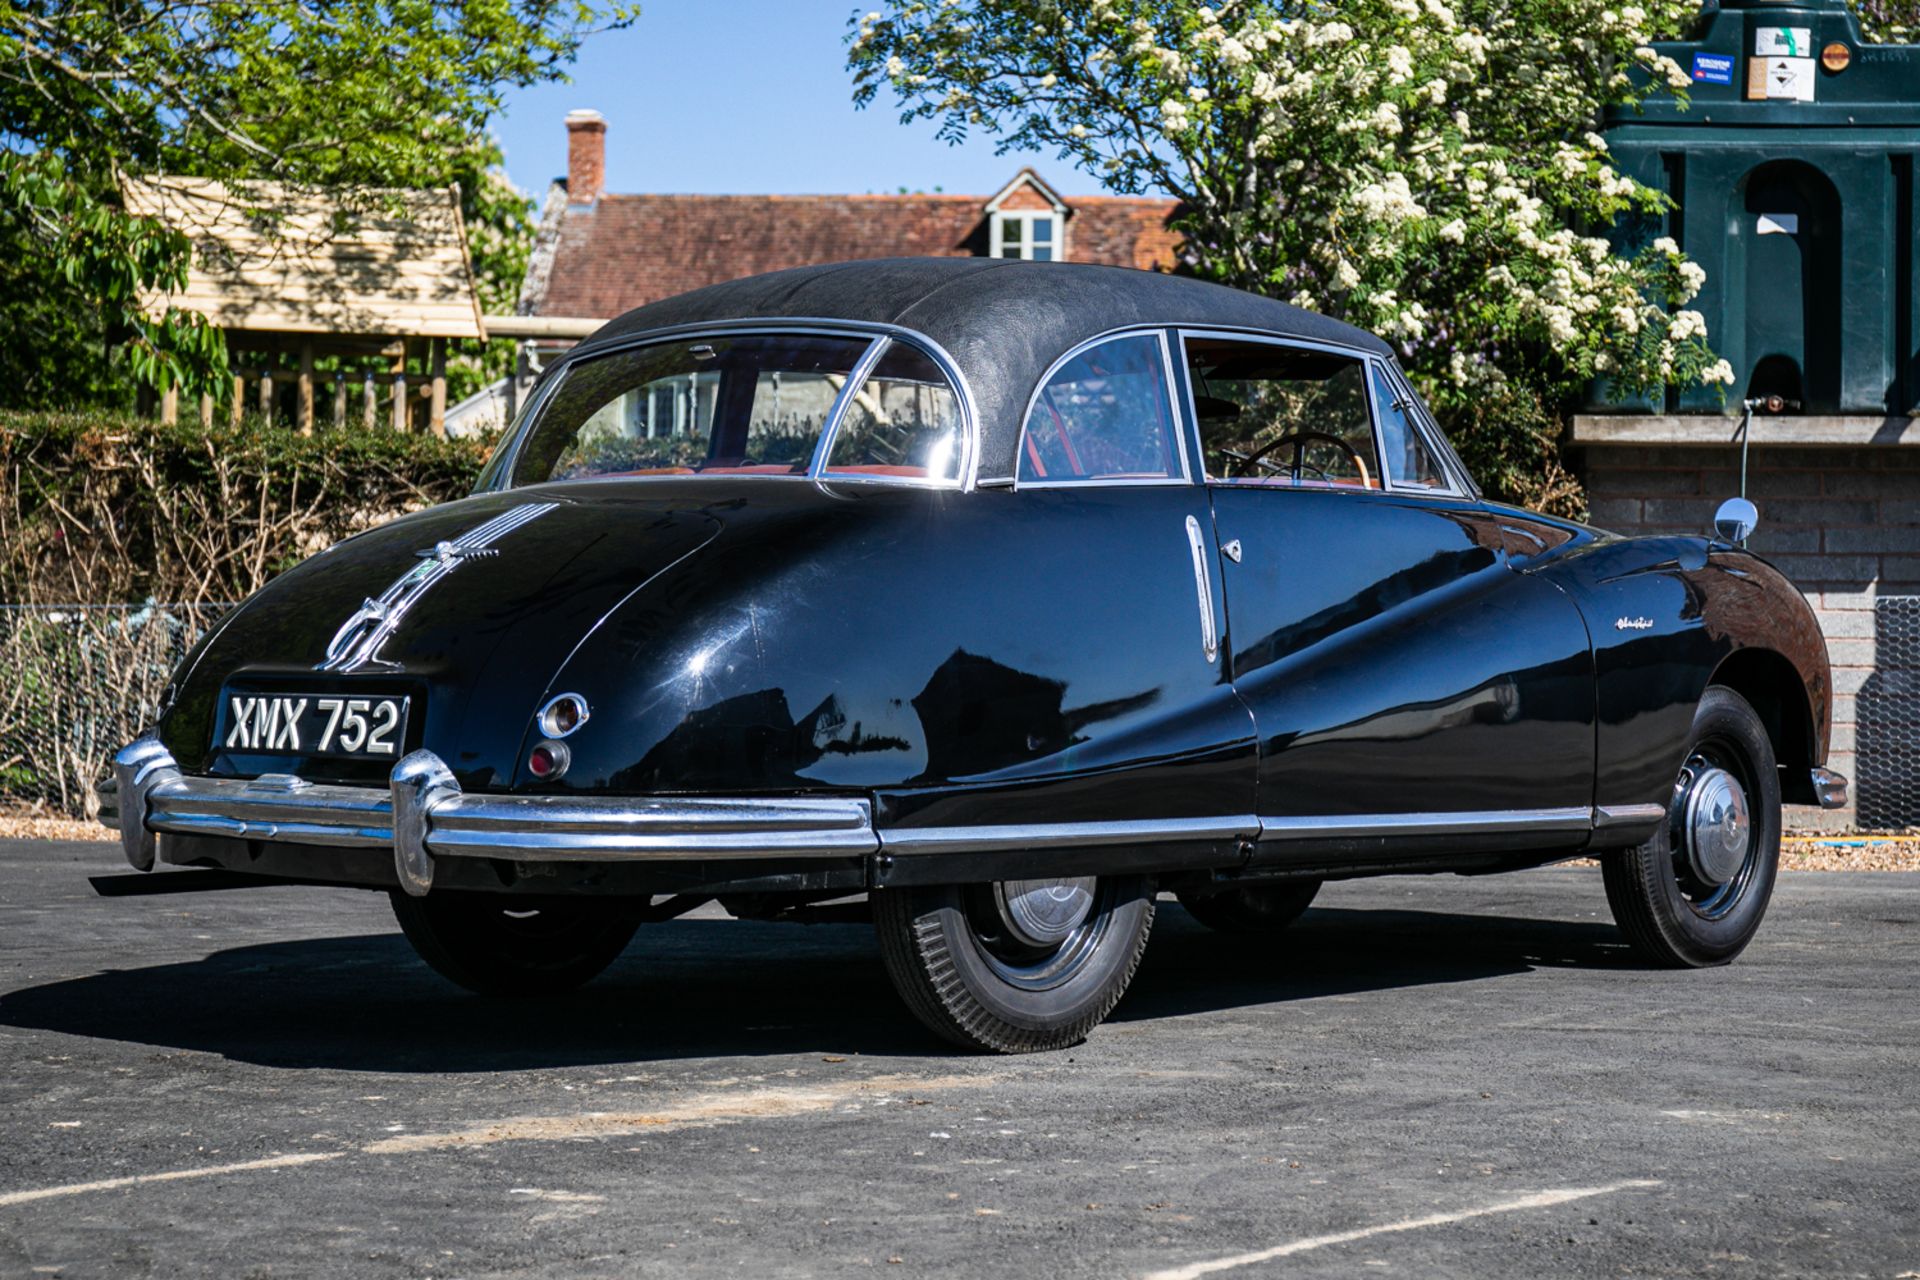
{"points": [[1256, 910], [1671, 916], [510, 946], [949, 957]]}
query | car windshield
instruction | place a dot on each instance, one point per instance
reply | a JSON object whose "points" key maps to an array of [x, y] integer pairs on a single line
{"points": [[750, 404]]}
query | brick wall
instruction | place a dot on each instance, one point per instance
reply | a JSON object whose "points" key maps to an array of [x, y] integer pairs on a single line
{"points": [[1844, 524]]}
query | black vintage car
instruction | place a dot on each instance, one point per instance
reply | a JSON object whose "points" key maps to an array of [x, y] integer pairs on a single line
{"points": [[1006, 595]]}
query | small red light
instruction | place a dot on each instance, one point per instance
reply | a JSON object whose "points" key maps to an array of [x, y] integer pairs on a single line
{"points": [[541, 762]]}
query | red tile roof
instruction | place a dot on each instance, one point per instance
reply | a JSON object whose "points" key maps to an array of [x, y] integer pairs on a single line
{"points": [[623, 251]]}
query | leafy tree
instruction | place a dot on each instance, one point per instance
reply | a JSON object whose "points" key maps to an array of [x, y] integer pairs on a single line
{"points": [[319, 94], [1424, 169]]}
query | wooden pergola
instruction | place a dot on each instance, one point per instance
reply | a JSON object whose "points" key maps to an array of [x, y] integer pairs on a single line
{"points": [[379, 278]]}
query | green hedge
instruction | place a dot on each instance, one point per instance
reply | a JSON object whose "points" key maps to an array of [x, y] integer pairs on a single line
{"points": [[105, 509]]}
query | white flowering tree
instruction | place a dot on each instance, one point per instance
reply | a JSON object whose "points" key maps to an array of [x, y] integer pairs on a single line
{"points": [[1427, 171]]}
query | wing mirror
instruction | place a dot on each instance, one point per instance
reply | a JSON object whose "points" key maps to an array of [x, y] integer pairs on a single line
{"points": [[1736, 520]]}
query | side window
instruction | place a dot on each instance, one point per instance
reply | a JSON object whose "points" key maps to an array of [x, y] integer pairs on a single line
{"points": [[1280, 415], [1409, 461], [904, 420], [1104, 415]]}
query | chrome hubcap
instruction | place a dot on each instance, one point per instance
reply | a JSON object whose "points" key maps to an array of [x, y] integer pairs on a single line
{"points": [[1716, 825], [1044, 913]]}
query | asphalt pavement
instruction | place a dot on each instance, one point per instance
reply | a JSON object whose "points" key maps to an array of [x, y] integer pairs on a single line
{"points": [[1426, 1077]]}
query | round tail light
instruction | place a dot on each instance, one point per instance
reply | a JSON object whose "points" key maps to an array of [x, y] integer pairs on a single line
{"points": [[548, 760]]}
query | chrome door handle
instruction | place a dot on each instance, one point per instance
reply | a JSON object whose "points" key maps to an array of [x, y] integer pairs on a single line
{"points": [[1203, 585]]}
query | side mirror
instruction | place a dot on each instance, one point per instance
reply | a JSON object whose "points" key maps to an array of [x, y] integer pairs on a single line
{"points": [[1736, 520]]}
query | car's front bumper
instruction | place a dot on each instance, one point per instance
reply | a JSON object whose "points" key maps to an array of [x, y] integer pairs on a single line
{"points": [[423, 815]]}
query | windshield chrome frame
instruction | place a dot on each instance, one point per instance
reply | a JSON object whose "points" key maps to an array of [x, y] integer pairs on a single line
{"points": [[879, 337]]}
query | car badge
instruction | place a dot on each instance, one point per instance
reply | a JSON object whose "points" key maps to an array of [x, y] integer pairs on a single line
{"points": [[1633, 624], [357, 643]]}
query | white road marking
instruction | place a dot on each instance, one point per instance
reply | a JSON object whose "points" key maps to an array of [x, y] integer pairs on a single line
{"points": [[172, 1175], [700, 1111], [1538, 1200]]}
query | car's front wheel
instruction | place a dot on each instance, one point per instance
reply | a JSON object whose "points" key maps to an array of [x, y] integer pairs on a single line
{"points": [[504, 946], [1017, 966], [1694, 894]]}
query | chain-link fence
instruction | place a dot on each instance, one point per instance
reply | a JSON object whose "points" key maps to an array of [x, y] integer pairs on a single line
{"points": [[1887, 790], [81, 681]]}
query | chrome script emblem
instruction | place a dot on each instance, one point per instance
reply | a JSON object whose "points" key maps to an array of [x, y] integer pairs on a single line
{"points": [[1633, 624], [357, 643]]}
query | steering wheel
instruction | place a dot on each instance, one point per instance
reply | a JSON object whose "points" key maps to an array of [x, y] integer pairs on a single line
{"points": [[1299, 440]]}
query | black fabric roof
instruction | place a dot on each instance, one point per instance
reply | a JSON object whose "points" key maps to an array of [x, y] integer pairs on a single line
{"points": [[1003, 321]]}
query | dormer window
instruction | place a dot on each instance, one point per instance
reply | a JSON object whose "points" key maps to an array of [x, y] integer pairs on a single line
{"points": [[1033, 236], [1027, 219]]}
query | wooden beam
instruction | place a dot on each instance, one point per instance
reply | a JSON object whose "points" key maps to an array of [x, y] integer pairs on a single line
{"points": [[266, 394], [169, 405], [303, 400], [437, 411], [239, 406], [541, 326], [206, 408], [339, 399], [369, 412]]}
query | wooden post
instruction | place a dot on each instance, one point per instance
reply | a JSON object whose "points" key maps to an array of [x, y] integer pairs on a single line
{"points": [[266, 394], [437, 414], [400, 389], [169, 405], [303, 400], [369, 412], [239, 398], [339, 399], [206, 408]]}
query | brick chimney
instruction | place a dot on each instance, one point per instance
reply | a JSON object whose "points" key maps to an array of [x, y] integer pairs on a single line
{"points": [[586, 156]]}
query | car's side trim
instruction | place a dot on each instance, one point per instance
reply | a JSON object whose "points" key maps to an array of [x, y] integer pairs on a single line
{"points": [[1467, 822], [1061, 835], [1608, 816]]}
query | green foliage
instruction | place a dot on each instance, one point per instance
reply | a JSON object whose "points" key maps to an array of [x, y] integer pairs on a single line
{"points": [[100, 508], [318, 94]]}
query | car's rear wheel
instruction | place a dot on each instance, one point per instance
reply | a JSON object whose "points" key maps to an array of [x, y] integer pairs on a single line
{"points": [[1694, 894], [504, 946], [1253, 909], [1017, 966]]}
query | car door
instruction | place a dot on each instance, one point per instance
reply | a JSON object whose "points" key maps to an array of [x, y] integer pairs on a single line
{"points": [[1086, 682], [1411, 690]]}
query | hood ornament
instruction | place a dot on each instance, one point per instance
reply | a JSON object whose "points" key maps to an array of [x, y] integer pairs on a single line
{"points": [[357, 643]]}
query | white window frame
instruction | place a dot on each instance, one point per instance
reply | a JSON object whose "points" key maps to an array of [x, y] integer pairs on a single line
{"points": [[1025, 217]]}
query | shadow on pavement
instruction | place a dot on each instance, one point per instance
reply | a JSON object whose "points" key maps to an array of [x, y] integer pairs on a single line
{"points": [[719, 988]]}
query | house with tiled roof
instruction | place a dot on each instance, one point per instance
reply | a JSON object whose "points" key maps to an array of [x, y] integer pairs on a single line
{"points": [[599, 253]]}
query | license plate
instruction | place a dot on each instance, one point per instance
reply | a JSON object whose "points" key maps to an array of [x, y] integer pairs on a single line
{"points": [[316, 724]]}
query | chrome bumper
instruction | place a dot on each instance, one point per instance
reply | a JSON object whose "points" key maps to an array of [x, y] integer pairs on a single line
{"points": [[1830, 789], [422, 814]]}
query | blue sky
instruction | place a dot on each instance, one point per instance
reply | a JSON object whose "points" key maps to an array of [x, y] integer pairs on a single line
{"points": [[745, 96]]}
